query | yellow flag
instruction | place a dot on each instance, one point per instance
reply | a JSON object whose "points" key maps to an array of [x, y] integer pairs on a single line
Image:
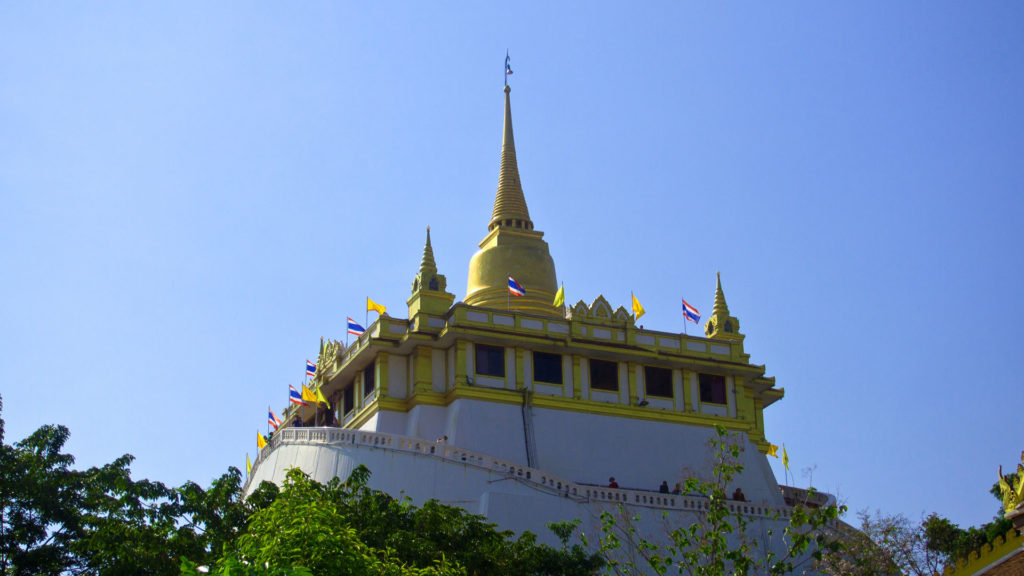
{"points": [[261, 442], [307, 394], [248, 465], [559, 297], [371, 305], [773, 450], [785, 457], [638, 310], [320, 398]]}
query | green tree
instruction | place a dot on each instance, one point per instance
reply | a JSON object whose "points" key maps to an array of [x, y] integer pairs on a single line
{"points": [[39, 503], [717, 542]]}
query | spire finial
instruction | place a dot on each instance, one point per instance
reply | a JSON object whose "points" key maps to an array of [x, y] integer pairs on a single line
{"points": [[427, 263], [509, 203], [720, 305]]}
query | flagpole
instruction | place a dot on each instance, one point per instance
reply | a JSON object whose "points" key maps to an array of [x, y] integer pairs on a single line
{"points": [[366, 316], [508, 291]]}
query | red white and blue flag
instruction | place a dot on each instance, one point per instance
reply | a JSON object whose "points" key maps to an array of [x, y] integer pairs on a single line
{"points": [[295, 397], [515, 288], [272, 420], [354, 328], [310, 368], [690, 313]]}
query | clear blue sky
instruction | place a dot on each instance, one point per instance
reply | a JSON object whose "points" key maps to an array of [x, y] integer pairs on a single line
{"points": [[192, 194]]}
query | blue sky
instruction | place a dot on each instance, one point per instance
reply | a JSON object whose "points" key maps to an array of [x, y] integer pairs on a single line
{"points": [[193, 194]]}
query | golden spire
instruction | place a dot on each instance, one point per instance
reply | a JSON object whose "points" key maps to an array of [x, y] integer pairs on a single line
{"points": [[721, 324], [720, 306], [509, 203], [512, 248], [427, 264]]}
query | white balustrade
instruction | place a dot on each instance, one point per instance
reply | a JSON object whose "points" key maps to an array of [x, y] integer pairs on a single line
{"points": [[531, 476]]}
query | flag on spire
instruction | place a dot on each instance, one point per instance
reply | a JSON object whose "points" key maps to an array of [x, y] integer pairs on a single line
{"points": [[508, 67], [515, 288], [354, 328], [690, 313], [272, 420], [310, 368], [638, 310], [294, 397], [371, 305]]}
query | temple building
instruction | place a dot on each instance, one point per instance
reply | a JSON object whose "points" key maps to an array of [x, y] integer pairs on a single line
{"points": [[523, 410]]}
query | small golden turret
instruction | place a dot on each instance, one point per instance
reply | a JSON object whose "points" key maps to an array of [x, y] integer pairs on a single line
{"points": [[721, 324], [429, 293]]}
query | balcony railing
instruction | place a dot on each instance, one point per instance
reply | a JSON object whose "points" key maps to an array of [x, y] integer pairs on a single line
{"points": [[532, 477]]}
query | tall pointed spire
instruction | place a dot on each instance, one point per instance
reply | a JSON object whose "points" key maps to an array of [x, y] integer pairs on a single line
{"points": [[720, 306], [427, 264], [512, 248], [509, 203], [429, 289], [721, 324]]}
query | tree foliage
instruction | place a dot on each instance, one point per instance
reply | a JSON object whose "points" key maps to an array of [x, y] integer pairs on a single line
{"points": [[57, 520], [716, 543]]}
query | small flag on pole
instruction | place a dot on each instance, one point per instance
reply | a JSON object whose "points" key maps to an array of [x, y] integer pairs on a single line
{"points": [[320, 397], [261, 442], [559, 297], [248, 465], [310, 368], [638, 310], [272, 420], [773, 450], [690, 313], [308, 395], [785, 457], [371, 305], [508, 66], [354, 328], [514, 288], [294, 397]]}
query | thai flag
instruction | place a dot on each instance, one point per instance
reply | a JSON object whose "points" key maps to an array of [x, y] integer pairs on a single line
{"points": [[514, 288], [690, 313], [354, 328], [310, 368], [295, 396], [272, 420]]}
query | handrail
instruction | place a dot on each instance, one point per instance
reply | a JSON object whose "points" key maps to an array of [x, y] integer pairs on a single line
{"points": [[536, 478]]}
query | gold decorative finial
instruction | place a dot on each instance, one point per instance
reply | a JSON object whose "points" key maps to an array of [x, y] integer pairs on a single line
{"points": [[1012, 492], [509, 203], [427, 264], [721, 324], [720, 306]]}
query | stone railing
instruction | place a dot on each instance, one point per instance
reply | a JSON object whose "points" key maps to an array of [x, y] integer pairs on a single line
{"points": [[535, 478]]}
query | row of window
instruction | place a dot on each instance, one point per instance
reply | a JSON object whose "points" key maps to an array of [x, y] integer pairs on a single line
{"points": [[604, 375]]}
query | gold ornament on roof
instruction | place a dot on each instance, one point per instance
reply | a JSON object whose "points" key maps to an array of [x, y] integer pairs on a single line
{"points": [[1013, 495]]}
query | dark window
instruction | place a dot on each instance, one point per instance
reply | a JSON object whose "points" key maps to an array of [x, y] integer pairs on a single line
{"points": [[547, 367], [712, 389], [658, 381], [369, 379], [347, 402], [604, 375], [490, 360]]}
